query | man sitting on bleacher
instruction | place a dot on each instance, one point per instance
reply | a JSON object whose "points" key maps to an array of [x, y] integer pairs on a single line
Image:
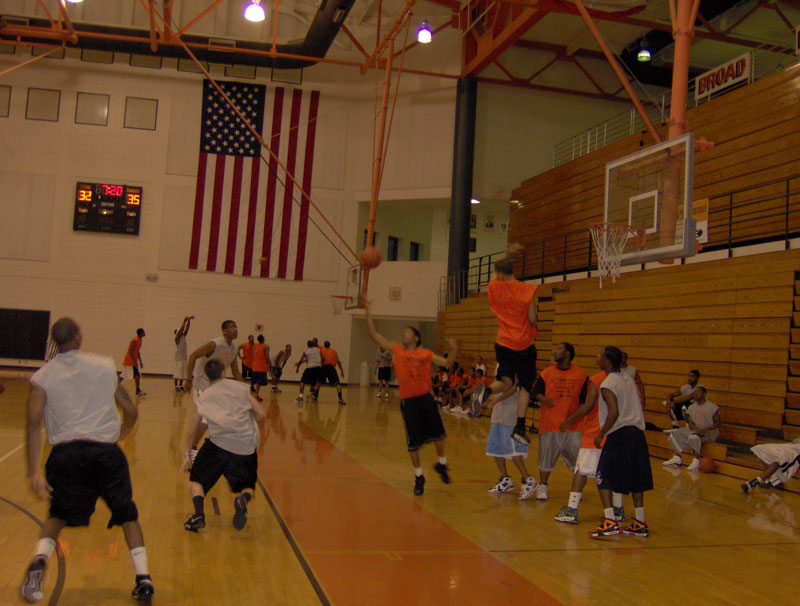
{"points": [[702, 425], [679, 400]]}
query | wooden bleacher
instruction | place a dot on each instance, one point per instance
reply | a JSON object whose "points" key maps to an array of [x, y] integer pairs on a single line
{"points": [[732, 319], [754, 130]]}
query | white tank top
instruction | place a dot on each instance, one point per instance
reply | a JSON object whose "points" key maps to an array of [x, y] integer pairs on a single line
{"points": [[223, 351], [180, 349]]}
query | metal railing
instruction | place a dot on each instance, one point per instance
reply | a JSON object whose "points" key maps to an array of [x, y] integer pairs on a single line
{"points": [[767, 212], [628, 123]]}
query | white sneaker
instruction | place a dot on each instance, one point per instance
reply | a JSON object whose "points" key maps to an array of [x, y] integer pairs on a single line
{"points": [[527, 489], [503, 485], [378, 395], [674, 461], [694, 465], [541, 492], [299, 399]]}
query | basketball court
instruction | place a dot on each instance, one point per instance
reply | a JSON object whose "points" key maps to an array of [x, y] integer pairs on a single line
{"points": [[335, 522]]}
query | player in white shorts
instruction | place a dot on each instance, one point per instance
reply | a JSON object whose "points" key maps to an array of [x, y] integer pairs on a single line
{"points": [[782, 461], [500, 446]]}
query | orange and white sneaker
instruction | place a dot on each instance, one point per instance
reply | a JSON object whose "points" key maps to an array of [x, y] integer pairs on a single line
{"points": [[608, 528], [636, 529]]}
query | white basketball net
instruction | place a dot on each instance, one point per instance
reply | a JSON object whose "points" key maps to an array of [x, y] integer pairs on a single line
{"points": [[609, 241]]}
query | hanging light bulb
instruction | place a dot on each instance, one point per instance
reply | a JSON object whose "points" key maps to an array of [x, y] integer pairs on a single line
{"points": [[424, 33], [644, 52], [254, 11]]}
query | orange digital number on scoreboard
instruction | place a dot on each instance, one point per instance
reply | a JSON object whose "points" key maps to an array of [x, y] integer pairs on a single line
{"points": [[84, 195], [133, 199]]}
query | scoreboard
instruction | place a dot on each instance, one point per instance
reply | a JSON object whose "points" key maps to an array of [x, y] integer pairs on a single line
{"points": [[107, 207]]}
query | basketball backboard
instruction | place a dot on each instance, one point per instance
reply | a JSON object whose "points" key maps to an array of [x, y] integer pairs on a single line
{"points": [[353, 287], [651, 190]]}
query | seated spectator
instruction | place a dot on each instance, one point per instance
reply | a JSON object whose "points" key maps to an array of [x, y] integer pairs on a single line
{"points": [[479, 365], [477, 393], [702, 425], [782, 461], [454, 389], [440, 384], [678, 400]]}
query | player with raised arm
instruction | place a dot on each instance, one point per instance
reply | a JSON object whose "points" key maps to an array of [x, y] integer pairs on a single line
{"points": [[181, 354], [514, 304], [423, 423]]}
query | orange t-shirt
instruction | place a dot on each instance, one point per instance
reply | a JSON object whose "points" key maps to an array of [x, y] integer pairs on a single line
{"points": [[564, 388], [247, 354], [136, 342], [413, 370], [329, 356], [260, 363], [510, 300], [590, 424], [454, 380]]}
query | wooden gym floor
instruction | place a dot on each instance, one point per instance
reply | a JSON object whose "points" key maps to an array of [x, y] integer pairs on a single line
{"points": [[335, 522]]}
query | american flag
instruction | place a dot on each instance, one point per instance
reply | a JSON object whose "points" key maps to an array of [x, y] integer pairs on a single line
{"points": [[245, 208]]}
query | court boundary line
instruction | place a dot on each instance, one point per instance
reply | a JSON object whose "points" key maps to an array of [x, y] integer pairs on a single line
{"points": [[315, 584], [643, 547], [62, 562]]}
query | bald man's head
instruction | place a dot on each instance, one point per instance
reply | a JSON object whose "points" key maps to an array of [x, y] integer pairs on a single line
{"points": [[66, 333]]}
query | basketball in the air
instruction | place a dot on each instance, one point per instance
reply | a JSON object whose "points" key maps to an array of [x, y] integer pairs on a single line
{"points": [[707, 465], [371, 257]]}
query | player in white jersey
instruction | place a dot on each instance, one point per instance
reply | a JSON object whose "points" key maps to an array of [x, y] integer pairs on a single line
{"points": [[74, 396], [633, 373], [782, 461], [624, 464], [181, 354], [223, 349], [312, 356], [228, 409]]}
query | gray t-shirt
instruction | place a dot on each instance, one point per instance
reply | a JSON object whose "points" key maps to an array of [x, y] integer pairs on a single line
{"points": [[80, 391], [703, 415], [505, 411], [223, 351], [313, 357], [630, 407], [225, 405]]}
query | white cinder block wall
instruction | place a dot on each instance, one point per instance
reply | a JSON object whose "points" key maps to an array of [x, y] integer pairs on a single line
{"points": [[100, 278]]}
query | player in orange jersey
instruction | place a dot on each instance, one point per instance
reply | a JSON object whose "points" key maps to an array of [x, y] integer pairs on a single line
{"points": [[423, 423], [514, 304]]}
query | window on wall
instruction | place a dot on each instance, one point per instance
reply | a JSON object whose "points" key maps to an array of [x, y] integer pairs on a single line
{"points": [[43, 104], [92, 109], [141, 113], [374, 239], [5, 100], [413, 251], [392, 248]]}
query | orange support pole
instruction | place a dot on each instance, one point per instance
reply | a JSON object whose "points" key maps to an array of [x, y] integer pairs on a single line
{"points": [[617, 70], [377, 164]]}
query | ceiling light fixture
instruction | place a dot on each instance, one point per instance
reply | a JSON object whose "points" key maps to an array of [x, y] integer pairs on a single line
{"points": [[254, 11], [644, 51], [424, 33], [75, 1], [475, 201]]}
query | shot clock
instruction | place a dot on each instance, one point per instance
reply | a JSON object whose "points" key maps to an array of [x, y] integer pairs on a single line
{"points": [[107, 207]]}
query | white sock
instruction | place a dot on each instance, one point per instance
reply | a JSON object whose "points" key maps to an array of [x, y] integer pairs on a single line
{"points": [[443, 460], [617, 499], [639, 514], [45, 547], [418, 471], [139, 557], [608, 513], [574, 500]]}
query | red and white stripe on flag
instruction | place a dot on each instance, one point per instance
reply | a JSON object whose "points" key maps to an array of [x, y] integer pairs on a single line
{"points": [[247, 208]]}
